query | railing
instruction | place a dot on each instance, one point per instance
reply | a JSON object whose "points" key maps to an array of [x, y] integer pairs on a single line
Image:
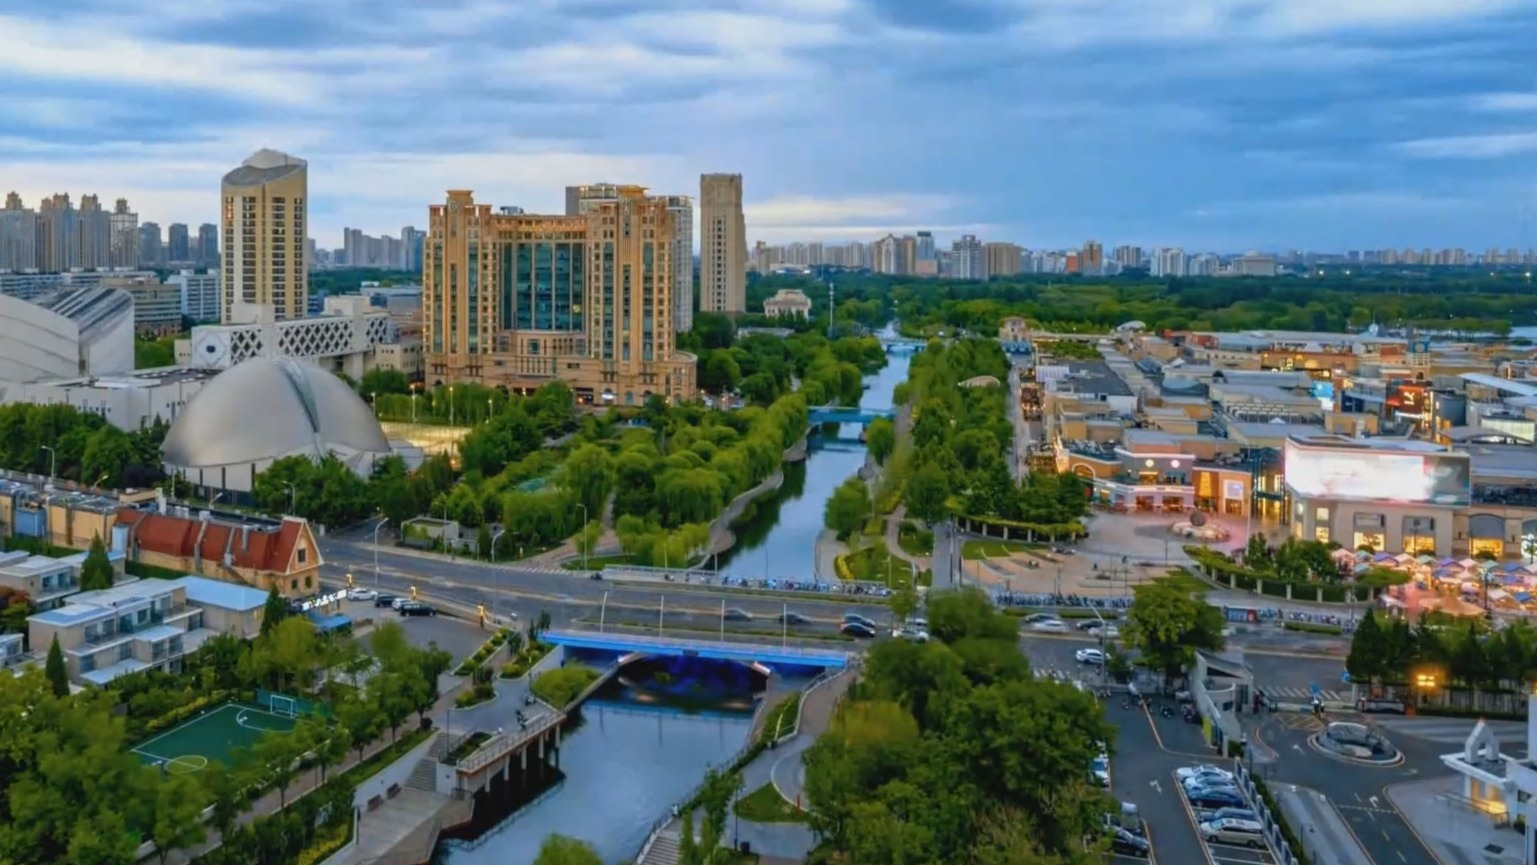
{"points": [[690, 645], [499, 746], [491, 831]]}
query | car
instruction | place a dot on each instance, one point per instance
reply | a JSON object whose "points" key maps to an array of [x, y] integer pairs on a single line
{"points": [[1207, 782], [737, 614], [1037, 617], [1089, 656], [1229, 814], [400, 602], [1244, 833], [417, 608], [793, 619], [1051, 626], [913, 634], [1100, 769], [1212, 799], [1108, 632], [1127, 843], [1205, 769], [863, 620], [361, 594], [858, 629], [918, 622], [1090, 624], [385, 600]]}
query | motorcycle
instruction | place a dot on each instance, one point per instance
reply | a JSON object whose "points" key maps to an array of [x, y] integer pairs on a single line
{"points": [[1166, 711]]}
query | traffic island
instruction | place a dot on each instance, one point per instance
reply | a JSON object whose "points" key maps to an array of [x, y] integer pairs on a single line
{"points": [[1356, 744]]}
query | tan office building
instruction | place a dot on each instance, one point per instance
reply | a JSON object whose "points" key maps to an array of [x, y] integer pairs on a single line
{"points": [[263, 221], [722, 244], [519, 300]]}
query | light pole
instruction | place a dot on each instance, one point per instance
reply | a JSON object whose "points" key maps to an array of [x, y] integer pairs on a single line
{"points": [[582, 534], [376, 550], [661, 614], [602, 612], [53, 461], [784, 627], [496, 536], [450, 405], [723, 620], [292, 497], [215, 500], [413, 406]]}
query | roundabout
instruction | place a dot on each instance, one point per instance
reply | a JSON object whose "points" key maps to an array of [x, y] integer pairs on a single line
{"points": [[1356, 744]]}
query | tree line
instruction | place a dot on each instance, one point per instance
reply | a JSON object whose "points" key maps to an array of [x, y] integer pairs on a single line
{"points": [[65, 442], [1466, 654]]}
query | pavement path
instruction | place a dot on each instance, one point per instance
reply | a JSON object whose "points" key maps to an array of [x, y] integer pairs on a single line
{"points": [[894, 544]]}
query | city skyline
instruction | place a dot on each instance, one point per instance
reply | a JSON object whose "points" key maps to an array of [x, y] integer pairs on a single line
{"points": [[1216, 125]]}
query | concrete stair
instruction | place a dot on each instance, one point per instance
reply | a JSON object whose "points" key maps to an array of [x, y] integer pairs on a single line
{"points": [[663, 850], [445, 744], [424, 776]]}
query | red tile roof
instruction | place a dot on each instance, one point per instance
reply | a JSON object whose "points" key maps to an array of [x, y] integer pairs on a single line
{"points": [[263, 549]]}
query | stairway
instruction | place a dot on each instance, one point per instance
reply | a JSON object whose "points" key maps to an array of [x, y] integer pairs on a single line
{"points": [[424, 776], [663, 850], [445, 744]]}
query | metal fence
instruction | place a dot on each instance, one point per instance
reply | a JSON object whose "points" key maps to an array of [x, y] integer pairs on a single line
{"points": [[1272, 823]]}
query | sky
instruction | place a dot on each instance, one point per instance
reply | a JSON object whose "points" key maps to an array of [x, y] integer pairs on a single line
{"points": [[1221, 125]]}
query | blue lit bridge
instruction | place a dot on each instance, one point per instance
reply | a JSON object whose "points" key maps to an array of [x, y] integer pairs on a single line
{"points": [[634, 646], [837, 414]]}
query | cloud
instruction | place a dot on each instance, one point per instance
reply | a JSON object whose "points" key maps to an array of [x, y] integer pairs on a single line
{"points": [[1495, 146], [1043, 122]]}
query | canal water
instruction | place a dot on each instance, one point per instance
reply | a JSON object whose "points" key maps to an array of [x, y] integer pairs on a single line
{"points": [[633, 753], [778, 535]]}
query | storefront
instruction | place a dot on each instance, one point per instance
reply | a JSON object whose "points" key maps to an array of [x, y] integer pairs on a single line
{"points": [[1222, 491]]}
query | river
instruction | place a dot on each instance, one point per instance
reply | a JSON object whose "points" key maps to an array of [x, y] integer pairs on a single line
{"points": [[778, 537]]}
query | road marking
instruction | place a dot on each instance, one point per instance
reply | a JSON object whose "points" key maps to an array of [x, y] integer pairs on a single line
{"points": [[1373, 800], [1155, 786]]}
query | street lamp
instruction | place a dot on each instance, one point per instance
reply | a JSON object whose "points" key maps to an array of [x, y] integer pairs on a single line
{"points": [[450, 405], [582, 534], [377, 528], [293, 494], [53, 461], [215, 500]]}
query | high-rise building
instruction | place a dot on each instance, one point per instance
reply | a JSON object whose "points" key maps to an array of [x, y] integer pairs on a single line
{"points": [[886, 254], [124, 242], [1128, 256], [95, 226], [519, 300], [207, 245], [582, 199], [1092, 258], [58, 237], [263, 219], [18, 236], [151, 246], [1003, 259], [926, 251], [411, 248], [722, 244], [178, 243], [682, 209], [1170, 262], [966, 258]]}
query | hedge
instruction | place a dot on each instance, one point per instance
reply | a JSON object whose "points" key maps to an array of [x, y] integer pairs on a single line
{"points": [[1312, 628], [1227, 572], [1059, 531], [185, 711]]}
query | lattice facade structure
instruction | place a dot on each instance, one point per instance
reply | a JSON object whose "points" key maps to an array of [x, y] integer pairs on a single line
{"points": [[326, 338]]}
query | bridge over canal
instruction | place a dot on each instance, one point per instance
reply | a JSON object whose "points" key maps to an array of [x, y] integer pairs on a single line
{"points": [[626, 644]]}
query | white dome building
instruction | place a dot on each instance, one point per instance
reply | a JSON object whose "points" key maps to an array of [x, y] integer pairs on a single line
{"points": [[262, 410]]}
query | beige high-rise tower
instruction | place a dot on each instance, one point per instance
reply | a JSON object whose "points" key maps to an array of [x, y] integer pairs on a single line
{"points": [[263, 219], [722, 244]]}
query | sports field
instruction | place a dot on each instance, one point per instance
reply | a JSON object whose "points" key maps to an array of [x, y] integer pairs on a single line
{"points": [[211, 737]]}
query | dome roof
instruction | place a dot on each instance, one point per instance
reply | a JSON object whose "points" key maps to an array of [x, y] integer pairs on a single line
{"points": [[266, 408]]}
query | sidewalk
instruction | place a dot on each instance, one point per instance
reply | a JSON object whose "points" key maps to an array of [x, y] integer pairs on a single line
{"points": [[893, 543]]}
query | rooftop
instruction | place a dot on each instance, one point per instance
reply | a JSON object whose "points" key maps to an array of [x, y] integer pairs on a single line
{"points": [[107, 674], [217, 593], [1271, 429], [32, 565], [1091, 377], [1368, 444]]}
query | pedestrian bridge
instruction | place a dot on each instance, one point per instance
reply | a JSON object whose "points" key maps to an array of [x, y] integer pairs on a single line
{"points": [[652, 645], [836, 414]]}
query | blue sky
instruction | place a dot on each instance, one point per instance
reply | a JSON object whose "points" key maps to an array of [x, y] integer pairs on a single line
{"points": [[1211, 124]]}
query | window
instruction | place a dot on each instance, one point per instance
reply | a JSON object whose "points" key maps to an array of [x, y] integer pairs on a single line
{"points": [[293, 584], [303, 554], [309, 582]]}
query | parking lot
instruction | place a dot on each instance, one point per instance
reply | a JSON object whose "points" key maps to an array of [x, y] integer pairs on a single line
{"points": [[1140, 773], [1256, 852], [455, 636]]}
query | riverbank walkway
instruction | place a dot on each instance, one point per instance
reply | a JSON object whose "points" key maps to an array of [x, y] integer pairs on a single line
{"points": [[781, 767]]}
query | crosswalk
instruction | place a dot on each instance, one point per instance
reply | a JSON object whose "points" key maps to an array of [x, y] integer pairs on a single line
{"points": [[1304, 695]]}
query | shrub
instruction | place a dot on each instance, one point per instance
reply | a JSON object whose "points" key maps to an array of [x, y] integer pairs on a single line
{"points": [[1312, 628], [560, 686]]}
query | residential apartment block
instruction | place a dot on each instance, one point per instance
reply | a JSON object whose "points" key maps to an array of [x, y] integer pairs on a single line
{"points": [[722, 244], [135, 626], [518, 300], [264, 222]]}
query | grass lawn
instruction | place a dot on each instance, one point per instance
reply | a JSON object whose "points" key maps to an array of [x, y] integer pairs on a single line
{"points": [[873, 564], [915, 541], [1185, 581], [781, 718], [765, 805], [973, 550], [596, 563]]}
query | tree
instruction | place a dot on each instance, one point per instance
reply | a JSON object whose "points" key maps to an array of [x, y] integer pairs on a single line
{"points": [[848, 507], [1168, 625], [276, 755], [589, 475], [560, 850], [927, 491], [96, 572], [293, 652], [483, 541], [54, 669], [178, 822], [275, 610], [1368, 651], [880, 439], [225, 788]]}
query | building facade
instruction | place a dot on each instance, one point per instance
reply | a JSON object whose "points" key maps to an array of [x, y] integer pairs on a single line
{"points": [[198, 294], [518, 300], [682, 207], [722, 245], [263, 219]]}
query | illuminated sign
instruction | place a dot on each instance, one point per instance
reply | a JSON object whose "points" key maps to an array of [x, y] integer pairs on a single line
{"points": [[323, 601], [1368, 474]]}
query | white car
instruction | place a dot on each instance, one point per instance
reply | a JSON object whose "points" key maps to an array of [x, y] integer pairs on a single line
{"points": [[1089, 656], [361, 594], [399, 602], [1244, 833], [913, 634], [1191, 771], [1052, 626], [1108, 632]]}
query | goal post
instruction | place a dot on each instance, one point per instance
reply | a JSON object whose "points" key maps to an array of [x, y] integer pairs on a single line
{"points": [[286, 707]]}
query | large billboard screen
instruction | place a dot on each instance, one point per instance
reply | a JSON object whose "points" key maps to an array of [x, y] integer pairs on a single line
{"points": [[1373, 474]]}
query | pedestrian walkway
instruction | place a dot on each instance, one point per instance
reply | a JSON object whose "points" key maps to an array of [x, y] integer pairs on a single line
{"points": [[1454, 731], [894, 544], [1304, 695]]}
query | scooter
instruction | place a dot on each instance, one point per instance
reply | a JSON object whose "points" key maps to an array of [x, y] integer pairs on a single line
{"points": [[1166, 711]]}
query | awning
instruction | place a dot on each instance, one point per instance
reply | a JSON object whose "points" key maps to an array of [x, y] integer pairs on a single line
{"points": [[326, 624]]}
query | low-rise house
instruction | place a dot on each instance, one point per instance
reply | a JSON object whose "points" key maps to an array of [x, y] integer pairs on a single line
{"points": [[134, 626], [258, 553], [228, 608]]}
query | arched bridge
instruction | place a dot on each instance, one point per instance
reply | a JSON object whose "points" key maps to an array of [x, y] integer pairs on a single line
{"points": [[836, 414], [746, 653]]}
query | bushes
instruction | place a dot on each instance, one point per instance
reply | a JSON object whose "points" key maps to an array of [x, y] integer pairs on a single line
{"points": [[524, 659], [561, 686], [486, 650], [781, 720], [481, 689], [178, 715], [310, 829], [1312, 628]]}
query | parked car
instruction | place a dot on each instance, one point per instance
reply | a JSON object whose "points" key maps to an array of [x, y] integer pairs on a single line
{"points": [[417, 608], [737, 614], [1052, 626], [385, 600], [1244, 833], [1228, 814], [1191, 771], [1089, 656], [793, 619], [1216, 797], [361, 594], [1127, 843], [918, 622], [1368, 705], [1208, 782], [858, 629], [857, 618], [400, 602], [913, 634], [1100, 769]]}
